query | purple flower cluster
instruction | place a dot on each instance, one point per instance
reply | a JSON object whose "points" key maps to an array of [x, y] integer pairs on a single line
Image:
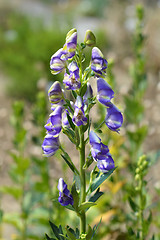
{"points": [[100, 153], [69, 59], [114, 118]]}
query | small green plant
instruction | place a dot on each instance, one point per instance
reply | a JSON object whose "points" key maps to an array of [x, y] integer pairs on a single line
{"points": [[141, 218]]}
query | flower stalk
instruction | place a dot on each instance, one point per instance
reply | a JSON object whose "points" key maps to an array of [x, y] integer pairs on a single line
{"points": [[83, 179]]}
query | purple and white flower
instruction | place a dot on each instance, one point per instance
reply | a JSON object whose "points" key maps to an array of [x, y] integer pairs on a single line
{"points": [[72, 80], [100, 153], [98, 62], [71, 43], [79, 117], [55, 93], [54, 123], [114, 118], [50, 145], [105, 93], [58, 61], [65, 197]]}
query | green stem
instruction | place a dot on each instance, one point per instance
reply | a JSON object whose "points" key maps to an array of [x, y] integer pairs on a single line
{"points": [[141, 209], [83, 179]]}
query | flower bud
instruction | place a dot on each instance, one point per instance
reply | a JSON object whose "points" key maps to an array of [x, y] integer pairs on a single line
{"points": [[69, 34], [137, 177], [145, 164], [90, 39], [137, 170], [141, 159]]}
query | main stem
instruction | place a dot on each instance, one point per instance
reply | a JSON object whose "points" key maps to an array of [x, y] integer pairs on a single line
{"points": [[83, 179]]}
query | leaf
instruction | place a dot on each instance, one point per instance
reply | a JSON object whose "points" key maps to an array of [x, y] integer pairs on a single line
{"points": [[70, 122], [83, 90], [61, 232], [74, 94], [70, 134], [70, 234], [14, 191], [48, 238], [96, 196], [130, 231], [95, 228], [70, 163], [133, 205], [70, 207], [13, 219], [86, 205], [89, 233], [75, 196], [55, 230], [100, 179]]}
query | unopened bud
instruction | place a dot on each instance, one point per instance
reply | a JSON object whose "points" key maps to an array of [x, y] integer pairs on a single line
{"points": [[137, 177], [141, 159], [90, 39], [70, 33], [137, 170]]}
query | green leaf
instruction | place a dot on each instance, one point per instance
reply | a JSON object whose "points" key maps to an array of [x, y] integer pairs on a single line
{"points": [[89, 233], [130, 231], [100, 179], [74, 94], [55, 230], [70, 207], [70, 163], [89, 161], [96, 196], [11, 190], [70, 122], [70, 134], [95, 228], [13, 219], [48, 238], [133, 205], [86, 205], [83, 90], [70, 234], [75, 196]]}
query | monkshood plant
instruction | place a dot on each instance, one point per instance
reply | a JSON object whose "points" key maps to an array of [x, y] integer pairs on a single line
{"points": [[73, 119]]}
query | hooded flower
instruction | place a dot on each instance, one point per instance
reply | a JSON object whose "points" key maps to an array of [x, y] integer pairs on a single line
{"points": [[65, 197], [54, 123], [100, 153], [105, 163], [71, 43], [105, 93], [57, 62], [50, 145], [79, 117], [114, 118], [72, 81], [55, 93], [98, 62], [97, 147]]}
